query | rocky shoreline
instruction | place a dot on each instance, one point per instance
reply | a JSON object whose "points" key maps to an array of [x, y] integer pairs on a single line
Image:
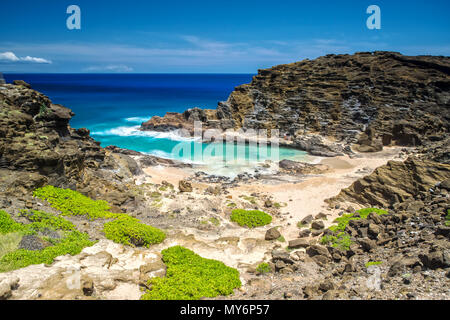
{"points": [[370, 220]]}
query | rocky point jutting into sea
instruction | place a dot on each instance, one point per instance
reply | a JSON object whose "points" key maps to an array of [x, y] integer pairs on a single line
{"points": [[367, 219]]}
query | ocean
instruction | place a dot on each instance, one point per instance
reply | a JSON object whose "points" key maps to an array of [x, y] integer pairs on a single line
{"points": [[112, 107]]}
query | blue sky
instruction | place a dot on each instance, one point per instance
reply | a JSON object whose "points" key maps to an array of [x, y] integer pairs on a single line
{"points": [[209, 36]]}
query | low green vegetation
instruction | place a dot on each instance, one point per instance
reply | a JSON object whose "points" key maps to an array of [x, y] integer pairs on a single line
{"points": [[447, 218], [9, 242], [340, 239], [191, 277], [46, 221], [344, 219], [70, 202], [250, 218], [43, 110], [263, 268], [130, 231], [70, 241], [373, 263], [124, 229], [7, 224], [301, 225], [281, 239], [250, 199]]}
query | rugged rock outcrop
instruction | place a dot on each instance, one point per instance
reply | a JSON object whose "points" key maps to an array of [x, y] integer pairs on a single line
{"points": [[395, 182], [370, 99], [38, 146]]}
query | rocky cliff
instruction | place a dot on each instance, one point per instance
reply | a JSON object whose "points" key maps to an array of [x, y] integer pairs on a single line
{"points": [[38, 147], [368, 99]]}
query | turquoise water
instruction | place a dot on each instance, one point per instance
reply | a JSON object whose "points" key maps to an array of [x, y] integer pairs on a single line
{"points": [[112, 107]]}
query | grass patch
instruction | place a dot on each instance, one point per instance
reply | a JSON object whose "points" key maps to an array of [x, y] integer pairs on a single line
{"points": [[130, 231], [191, 277], [281, 239], [231, 205], [250, 218], [155, 195], [263, 268], [9, 242], [301, 225], [250, 199], [373, 263]]}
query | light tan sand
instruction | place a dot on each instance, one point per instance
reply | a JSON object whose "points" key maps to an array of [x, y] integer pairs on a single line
{"points": [[161, 173], [301, 198]]}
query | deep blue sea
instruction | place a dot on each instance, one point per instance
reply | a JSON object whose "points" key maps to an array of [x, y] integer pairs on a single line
{"points": [[112, 106]]}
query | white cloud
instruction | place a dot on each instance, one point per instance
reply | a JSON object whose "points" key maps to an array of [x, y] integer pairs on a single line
{"points": [[8, 56], [11, 57]]}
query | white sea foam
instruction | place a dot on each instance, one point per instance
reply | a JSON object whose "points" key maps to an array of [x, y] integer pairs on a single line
{"points": [[137, 119], [133, 131]]}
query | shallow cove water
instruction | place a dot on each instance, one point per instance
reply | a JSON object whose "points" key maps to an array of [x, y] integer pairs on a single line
{"points": [[112, 107]]}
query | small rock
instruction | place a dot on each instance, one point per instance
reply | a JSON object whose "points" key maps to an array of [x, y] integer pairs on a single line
{"points": [[298, 243], [304, 233], [307, 220], [185, 186], [272, 234], [317, 225]]}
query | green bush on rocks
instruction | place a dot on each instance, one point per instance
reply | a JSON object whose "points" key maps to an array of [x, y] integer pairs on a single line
{"points": [[191, 277], [71, 242], [70, 202], [130, 231], [124, 229], [263, 268], [7, 224], [250, 218], [341, 239], [363, 213]]}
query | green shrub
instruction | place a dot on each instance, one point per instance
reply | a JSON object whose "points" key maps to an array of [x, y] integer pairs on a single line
{"points": [[130, 231], [124, 229], [72, 244], [344, 220], [191, 277], [70, 202], [44, 220], [7, 224], [263, 268], [250, 218], [341, 241]]}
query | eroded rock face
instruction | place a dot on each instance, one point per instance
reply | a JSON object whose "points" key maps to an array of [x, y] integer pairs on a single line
{"points": [[368, 99], [395, 182], [38, 147]]}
